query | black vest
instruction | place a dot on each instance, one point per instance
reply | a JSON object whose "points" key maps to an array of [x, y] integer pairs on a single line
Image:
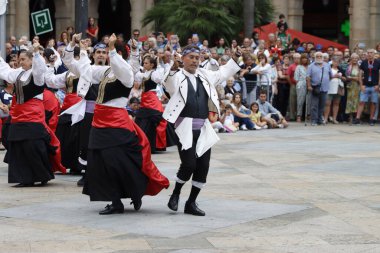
{"points": [[26, 90], [111, 88], [71, 84], [92, 92], [196, 102]]}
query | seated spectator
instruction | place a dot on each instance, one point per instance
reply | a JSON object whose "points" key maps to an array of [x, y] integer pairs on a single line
{"points": [[256, 116], [241, 113], [228, 120], [133, 107], [271, 115]]}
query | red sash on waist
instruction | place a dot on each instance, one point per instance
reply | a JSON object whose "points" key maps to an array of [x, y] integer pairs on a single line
{"points": [[111, 117], [150, 100], [33, 111], [70, 100]]}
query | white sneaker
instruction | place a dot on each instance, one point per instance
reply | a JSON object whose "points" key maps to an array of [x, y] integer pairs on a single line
{"points": [[243, 127], [265, 127], [257, 127], [280, 126]]}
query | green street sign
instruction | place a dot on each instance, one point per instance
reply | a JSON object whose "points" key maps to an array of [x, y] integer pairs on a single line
{"points": [[41, 22]]}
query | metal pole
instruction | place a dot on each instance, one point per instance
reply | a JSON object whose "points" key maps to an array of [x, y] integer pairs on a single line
{"points": [[81, 16]]}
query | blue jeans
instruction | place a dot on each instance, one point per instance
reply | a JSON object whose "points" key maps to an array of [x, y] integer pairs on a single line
{"points": [[317, 107], [244, 121]]}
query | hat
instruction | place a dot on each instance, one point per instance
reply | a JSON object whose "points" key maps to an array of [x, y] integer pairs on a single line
{"points": [[301, 50], [318, 47]]}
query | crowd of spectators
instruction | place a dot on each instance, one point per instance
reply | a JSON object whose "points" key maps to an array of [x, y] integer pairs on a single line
{"points": [[281, 79]]}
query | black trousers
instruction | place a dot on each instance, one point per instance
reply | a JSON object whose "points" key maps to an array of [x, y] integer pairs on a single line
{"points": [[191, 165]]}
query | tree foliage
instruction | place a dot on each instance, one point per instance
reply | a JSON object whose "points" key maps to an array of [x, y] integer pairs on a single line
{"points": [[210, 19]]}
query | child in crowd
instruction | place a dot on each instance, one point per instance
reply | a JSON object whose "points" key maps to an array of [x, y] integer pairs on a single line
{"points": [[228, 120], [255, 116], [215, 123]]}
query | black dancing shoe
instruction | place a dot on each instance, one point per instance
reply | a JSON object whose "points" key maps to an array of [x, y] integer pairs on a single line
{"points": [[80, 182], [110, 209], [24, 185], [43, 183], [192, 208], [136, 204], [173, 202]]}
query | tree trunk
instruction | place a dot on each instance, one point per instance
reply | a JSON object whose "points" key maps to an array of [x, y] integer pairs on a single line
{"points": [[249, 8]]}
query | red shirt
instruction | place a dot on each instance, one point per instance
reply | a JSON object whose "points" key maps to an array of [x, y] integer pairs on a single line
{"points": [[291, 71]]}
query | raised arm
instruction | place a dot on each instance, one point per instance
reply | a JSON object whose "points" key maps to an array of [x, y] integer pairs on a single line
{"points": [[55, 81], [7, 73], [38, 66], [224, 72]]}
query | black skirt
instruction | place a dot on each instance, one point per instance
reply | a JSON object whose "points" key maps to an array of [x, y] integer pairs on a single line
{"points": [[28, 153], [148, 120], [68, 136], [84, 134], [114, 166]]}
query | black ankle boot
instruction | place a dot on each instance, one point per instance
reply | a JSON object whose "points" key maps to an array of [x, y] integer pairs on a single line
{"points": [[192, 208], [136, 204], [111, 209], [173, 202]]}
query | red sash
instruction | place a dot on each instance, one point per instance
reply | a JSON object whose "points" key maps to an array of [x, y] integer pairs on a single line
{"points": [[111, 117], [33, 111]]}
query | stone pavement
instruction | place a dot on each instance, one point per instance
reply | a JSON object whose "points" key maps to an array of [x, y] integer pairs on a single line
{"points": [[299, 190]]}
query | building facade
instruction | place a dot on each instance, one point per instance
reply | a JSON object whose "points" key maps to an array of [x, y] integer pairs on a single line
{"points": [[363, 16], [122, 15]]}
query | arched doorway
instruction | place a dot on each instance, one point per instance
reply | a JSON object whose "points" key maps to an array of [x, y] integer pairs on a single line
{"points": [[37, 5], [114, 17], [334, 13]]}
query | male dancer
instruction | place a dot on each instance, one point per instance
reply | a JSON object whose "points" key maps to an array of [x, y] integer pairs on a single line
{"points": [[193, 96]]}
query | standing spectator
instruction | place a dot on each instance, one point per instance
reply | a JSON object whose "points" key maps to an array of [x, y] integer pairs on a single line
{"points": [[205, 43], [283, 35], [293, 83], [195, 41], [8, 51], [15, 47], [136, 36], [318, 79], [264, 75], [220, 47], [330, 51], [301, 87], [92, 30], [234, 45], [249, 84], [64, 38], [353, 86], [369, 85], [70, 31], [282, 99], [335, 84], [255, 40]]}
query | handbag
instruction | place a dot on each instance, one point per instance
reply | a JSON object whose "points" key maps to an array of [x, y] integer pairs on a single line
{"points": [[317, 88], [341, 90]]}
